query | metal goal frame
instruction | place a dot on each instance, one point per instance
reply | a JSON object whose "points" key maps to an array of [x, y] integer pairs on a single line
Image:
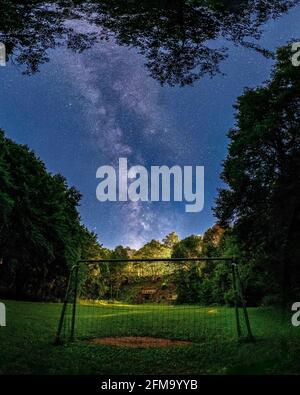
{"points": [[239, 299]]}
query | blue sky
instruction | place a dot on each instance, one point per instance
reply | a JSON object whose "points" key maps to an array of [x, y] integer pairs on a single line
{"points": [[86, 110]]}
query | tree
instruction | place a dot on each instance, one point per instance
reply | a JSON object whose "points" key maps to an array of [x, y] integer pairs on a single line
{"points": [[117, 271], [153, 249], [6, 203], [190, 247], [30, 29], [173, 35], [188, 275], [93, 278], [206, 283], [212, 241], [262, 170], [171, 240], [41, 236]]}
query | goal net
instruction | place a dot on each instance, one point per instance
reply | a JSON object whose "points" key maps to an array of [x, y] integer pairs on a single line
{"points": [[187, 300]]}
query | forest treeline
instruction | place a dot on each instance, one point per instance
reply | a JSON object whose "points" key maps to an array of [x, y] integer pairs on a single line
{"points": [[257, 215]]}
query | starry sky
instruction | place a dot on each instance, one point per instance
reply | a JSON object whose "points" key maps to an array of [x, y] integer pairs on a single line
{"points": [[86, 110]]}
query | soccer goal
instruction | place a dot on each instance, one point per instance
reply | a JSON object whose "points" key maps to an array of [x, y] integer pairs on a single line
{"points": [[145, 301]]}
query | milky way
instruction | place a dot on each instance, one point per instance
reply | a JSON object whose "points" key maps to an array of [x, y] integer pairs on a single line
{"points": [[94, 107]]}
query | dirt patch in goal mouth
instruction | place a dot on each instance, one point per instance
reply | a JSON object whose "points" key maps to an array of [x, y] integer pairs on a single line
{"points": [[139, 342]]}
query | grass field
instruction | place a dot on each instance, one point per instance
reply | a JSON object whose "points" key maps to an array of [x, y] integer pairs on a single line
{"points": [[27, 341]]}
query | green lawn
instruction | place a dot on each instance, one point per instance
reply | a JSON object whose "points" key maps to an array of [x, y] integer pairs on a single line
{"points": [[27, 341]]}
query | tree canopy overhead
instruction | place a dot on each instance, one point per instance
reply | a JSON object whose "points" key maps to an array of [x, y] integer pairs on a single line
{"points": [[175, 36]]}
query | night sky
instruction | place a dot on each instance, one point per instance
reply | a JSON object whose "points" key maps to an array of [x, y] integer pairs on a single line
{"points": [[86, 110]]}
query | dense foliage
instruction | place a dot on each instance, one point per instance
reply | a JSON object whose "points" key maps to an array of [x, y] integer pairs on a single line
{"points": [[174, 36], [262, 171], [40, 233]]}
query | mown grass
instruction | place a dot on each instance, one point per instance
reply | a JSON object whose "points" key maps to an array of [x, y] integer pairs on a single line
{"points": [[27, 341]]}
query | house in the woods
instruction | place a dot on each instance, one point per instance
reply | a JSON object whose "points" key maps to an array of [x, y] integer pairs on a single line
{"points": [[156, 294]]}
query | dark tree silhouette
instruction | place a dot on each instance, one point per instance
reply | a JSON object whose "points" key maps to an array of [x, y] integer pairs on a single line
{"points": [[177, 37], [41, 236], [262, 170], [29, 29]]}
